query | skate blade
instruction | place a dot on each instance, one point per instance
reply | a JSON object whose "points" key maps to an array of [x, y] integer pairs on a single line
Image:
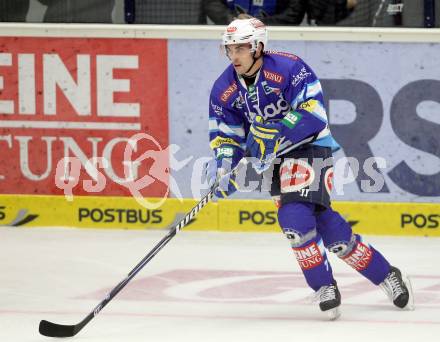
{"points": [[410, 306], [333, 314]]}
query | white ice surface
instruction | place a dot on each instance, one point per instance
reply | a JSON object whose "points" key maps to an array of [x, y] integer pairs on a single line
{"points": [[201, 287]]}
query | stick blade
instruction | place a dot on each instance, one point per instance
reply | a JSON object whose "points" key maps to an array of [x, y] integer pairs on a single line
{"points": [[50, 329]]}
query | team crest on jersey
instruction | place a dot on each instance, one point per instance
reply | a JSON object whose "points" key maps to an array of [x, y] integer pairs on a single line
{"points": [[273, 76], [238, 102], [228, 92]]}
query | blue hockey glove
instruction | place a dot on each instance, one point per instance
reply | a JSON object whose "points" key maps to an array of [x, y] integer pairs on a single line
{"points": [[220, 171], [226, 158], [227, 185], [263, 142], [210, 170], [219, 166]]}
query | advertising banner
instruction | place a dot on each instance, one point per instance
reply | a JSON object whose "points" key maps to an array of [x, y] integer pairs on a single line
{"points": [[104, 120], [100, 212], [415, 219], [383, 104], [27, 211], [69, 107]]}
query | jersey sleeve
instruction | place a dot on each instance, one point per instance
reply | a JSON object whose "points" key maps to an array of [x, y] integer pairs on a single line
{"points": [[308, 118], [227, 133]]}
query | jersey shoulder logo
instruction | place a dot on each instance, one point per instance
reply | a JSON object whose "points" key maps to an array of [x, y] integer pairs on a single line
{"points": [[309, 105], [300, 76]]}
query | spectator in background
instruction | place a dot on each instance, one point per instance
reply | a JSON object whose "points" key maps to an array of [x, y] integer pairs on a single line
{"points": [[171, 12], [13, 10], [280, 12], [390, 13], [78, 11], [327, 12], [415, 13]]}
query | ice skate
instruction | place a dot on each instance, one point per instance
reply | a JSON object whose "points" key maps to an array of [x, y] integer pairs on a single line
{"points": [[398, 289], [329, 300]]}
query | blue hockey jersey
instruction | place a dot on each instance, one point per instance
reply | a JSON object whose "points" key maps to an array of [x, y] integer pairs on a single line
{"points": [[284, 88]]}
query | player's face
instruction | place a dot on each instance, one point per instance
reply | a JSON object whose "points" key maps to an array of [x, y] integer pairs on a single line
{"points": [[240, 56]]}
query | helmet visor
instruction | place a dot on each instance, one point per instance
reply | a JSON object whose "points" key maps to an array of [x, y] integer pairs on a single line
{"points": [[237, 50]]}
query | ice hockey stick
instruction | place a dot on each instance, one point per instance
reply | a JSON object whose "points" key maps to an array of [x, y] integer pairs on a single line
{"points": [[50, 329]]}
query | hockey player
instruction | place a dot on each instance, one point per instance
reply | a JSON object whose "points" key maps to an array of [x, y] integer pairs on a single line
{"points": [[270, 104]]}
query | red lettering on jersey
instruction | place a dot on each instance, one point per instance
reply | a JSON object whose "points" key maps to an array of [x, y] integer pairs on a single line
{"points": [[273, 76], [228, 92]]}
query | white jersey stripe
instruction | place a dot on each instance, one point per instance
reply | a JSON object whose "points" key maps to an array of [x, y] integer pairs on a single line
{"points": [[226, 129]]}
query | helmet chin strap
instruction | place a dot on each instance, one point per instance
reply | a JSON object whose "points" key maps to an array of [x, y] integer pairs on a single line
{"points": [[253, 63]]}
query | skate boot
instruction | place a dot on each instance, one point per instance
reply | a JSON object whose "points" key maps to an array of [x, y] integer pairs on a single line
{"points": [[329, 300], [398, 289]]}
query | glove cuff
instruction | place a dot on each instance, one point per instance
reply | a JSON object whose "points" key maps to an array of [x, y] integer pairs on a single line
{"points": [[228, 157]]}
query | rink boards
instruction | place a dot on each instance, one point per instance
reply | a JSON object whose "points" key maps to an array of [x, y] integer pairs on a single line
{"points": [[378, 218], [130, 102]]}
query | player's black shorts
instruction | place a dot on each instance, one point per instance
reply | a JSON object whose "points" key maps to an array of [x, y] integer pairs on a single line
{"points": [[304, 175]]}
